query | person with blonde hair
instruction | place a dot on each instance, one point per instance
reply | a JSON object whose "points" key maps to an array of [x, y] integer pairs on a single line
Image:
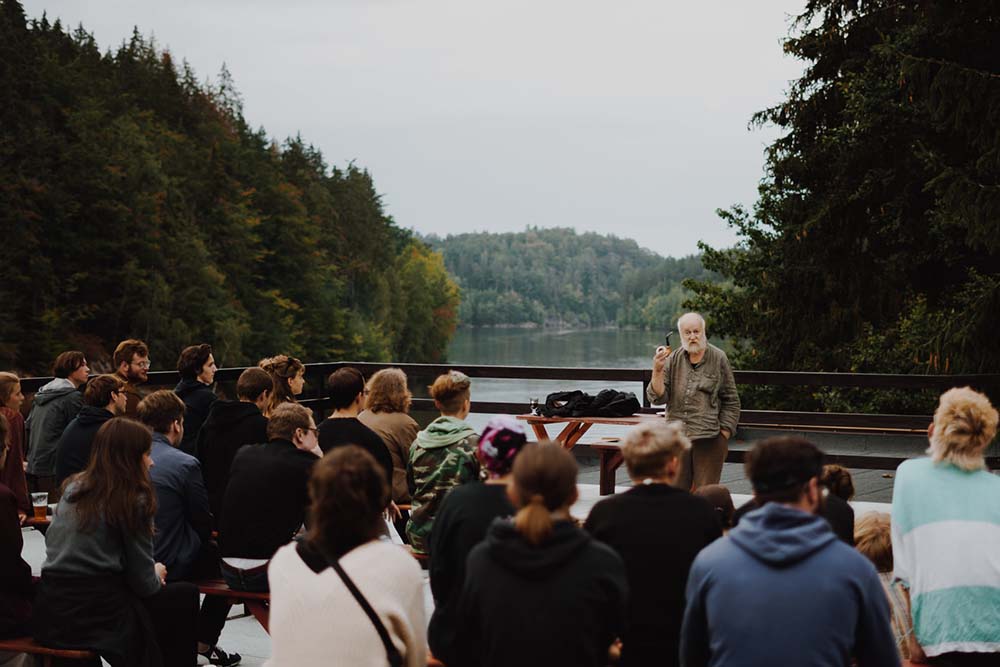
{"points": [[387, 407], [442, 457], [289, 377], [657, 529], [539, 591], [946, 535], [873, 540]]}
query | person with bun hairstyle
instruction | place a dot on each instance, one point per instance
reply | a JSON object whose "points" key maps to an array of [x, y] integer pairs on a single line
{"points": [[539, 591], [946, 536], [462, 521], [442, 457], [100, 588], [838, 480], [347, 492], [289, 376], [12, 446]]}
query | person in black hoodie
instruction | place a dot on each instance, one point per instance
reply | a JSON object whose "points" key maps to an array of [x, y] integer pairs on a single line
{"points": [[229, 426], [538, 590], [197, 368], [103, 399], [657, 529], [346, 387]]}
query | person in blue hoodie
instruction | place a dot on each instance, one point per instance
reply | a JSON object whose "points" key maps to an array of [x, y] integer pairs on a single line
{"points": [[197, 368], [781, 589]]}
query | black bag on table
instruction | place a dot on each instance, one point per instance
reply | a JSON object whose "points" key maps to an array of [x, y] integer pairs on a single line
{"points": [[608, 403]]}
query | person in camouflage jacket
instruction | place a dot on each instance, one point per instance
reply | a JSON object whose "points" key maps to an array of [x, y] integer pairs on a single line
{"points": [[442, 457]]}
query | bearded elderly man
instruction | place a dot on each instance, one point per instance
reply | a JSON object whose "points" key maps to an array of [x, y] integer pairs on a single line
{"points": [[696, 384]]}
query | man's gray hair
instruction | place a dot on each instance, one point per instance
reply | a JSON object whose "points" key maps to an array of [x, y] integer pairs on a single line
{"points": [[692, 314]]}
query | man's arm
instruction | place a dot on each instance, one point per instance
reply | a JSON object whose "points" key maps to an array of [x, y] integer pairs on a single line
{"points": [[658, 391], [729, 400]]}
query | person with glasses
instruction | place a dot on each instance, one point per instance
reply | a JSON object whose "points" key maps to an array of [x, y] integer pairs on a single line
{"points": [[103, 399], [131, 359], [265, 501]]}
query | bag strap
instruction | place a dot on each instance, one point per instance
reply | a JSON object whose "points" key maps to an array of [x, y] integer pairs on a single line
{"points": [[311, 558]]}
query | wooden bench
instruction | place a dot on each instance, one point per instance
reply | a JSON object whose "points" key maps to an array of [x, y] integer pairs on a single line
{"points": [[29, 646], [256, 603]]}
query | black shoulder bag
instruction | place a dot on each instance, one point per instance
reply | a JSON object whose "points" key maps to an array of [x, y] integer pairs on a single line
{"points": [[317, 563]]}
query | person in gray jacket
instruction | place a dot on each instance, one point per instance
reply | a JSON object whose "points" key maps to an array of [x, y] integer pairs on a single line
{"points": [[697, 386], [54, 406]]}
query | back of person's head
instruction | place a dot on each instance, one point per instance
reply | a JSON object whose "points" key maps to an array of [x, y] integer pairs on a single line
{"points": [[780, 468], [8, 385], [838, 480], [450, 391], [282, 369], [721, 501], [127, 349], [285, 419], [648, 447], [344, 385], [348, 491], [100, 389], [161, 409], [873, 538], [192, 359], [115, 486], [387, 392], [544, 480], [67, 362], [252, 383], [964, 424], [502, 440]]}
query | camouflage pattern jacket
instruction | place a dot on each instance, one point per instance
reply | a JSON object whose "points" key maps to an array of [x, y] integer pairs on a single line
{"points": [[442, 457]]}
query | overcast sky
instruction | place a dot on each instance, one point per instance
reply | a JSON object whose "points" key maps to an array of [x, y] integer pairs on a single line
{"points": [[627, 117]]}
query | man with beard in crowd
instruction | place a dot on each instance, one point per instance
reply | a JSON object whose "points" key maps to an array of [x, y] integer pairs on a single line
{"points": [[131, 361]]}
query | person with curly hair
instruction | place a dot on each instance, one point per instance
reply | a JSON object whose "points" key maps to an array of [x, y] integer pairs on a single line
{"points": [[387, 407], [289, 376]]}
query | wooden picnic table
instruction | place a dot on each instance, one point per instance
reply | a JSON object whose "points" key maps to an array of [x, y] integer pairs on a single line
{"points": [[574, 428]]}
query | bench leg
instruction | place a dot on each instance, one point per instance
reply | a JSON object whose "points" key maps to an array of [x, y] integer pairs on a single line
{"points": [[610, 462], [260, 611]]}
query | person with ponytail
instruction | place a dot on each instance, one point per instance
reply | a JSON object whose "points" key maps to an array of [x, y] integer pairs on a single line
{"points": [[442, 457], [465, 515], [539, 591], [289, 377]]}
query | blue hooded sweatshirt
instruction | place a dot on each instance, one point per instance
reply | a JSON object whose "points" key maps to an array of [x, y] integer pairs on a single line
{"points": [[781, 589]]}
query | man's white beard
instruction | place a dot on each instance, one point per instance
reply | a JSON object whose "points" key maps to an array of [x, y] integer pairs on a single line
{"points": [[694, 348]]}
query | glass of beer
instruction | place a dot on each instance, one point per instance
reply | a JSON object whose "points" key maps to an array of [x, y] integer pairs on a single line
{"points": [[40, 501]]}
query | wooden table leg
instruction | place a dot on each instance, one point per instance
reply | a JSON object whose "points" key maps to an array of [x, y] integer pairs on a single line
{"points": [[574, 437], [540, 432], [261, 612], [610, 462]]}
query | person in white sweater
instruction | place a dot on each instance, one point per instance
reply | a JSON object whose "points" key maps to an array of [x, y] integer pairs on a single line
{"points": [[315, 618]]}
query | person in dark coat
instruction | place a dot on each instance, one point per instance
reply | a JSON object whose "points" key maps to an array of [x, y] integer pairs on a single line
{"points": [[12, 448], [55, 405], [346, 387], [102, 399], [197, 368], [538, 590], [229, 426], [657, 529]]}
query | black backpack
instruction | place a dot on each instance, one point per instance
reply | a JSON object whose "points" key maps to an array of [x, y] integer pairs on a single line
{"points": [[608, 403]]}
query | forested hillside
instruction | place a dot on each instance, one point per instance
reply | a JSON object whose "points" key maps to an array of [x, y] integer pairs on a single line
{"points": [[135, 200], [558, 277]]}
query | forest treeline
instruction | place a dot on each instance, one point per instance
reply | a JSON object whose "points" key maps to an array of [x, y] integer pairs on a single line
{"points": [[557, 277], [137, 201]]}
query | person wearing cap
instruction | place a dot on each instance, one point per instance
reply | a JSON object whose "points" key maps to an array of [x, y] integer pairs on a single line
{"points": [[781, 589], [462, 522]]}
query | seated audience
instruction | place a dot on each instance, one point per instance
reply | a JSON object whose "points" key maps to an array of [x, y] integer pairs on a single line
{"points": [[781, 589], [16, 588], [100, 588], [12, 448], [197, 368], [873, 540], [657, 529], [289, 377], [721, 500], [265, 501], [103, 399], [946, 536], [539, 591], [346, 387], [838, 480], [131, 359], [318, 585], [53, 407], [461, 523], [182, 541], [442, 457], [229, 426]]}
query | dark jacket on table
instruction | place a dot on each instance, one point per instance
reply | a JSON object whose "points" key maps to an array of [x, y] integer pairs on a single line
{"points": [[340, 431], [658, 530], [229, 426], [462, 521], [73, 450], [16, 589], [835, 509], [781, 589], [55, 405], [12, 472], [562, 602], [183, 520], [198, 398], [266, 499]]}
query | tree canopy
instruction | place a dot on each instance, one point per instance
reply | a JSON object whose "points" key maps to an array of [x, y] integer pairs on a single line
{"points": [[136, 201]]}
